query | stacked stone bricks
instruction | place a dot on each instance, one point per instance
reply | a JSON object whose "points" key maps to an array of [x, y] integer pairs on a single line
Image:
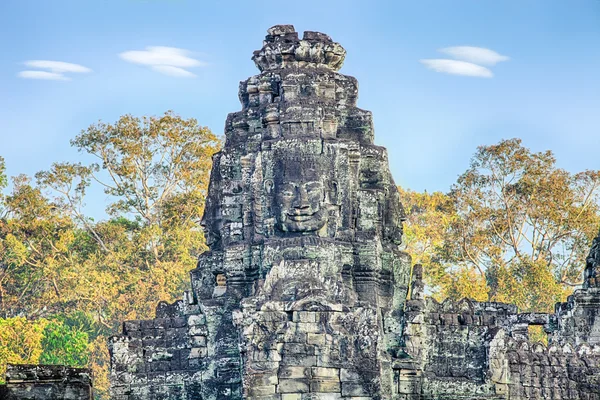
{"points": [[303, 293], [481, 350], [46, 382]]}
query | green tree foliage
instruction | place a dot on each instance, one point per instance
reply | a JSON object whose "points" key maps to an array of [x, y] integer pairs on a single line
{"points": [[36, 253], [3, 178], [65, 345], [514, 228], [20, 342], [428, 217], [57, 262], [156, 171], [42, 341]]}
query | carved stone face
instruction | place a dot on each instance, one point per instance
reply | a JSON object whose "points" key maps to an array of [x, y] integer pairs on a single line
{"points": [[300, 197], [301, 207], [221, 280]]}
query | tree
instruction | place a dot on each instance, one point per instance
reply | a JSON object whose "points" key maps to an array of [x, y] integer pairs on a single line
{"points": [[428, 218], [57, 262], [153, 165], [3, 178], [64, 345], [41, 341], [517, 230], [20, 342], [156, 171], [36, 240]]}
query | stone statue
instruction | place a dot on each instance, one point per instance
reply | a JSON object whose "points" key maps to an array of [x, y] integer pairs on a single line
{"points": [[302, 195], [591, 274]]}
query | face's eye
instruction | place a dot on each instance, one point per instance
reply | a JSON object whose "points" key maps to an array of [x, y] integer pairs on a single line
{"points": [[313, 187], [287, 190]]}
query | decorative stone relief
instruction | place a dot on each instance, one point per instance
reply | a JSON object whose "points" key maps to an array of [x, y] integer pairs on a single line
{"points": [[303, 292]]}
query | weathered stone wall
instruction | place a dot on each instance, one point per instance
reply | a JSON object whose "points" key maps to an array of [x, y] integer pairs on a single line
{"points": [[473, 349], [185, 353], [312, 352], [554, 372], [577, 321], [46, 382]]}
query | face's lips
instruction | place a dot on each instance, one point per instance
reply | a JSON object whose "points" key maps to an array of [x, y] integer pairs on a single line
{"points": [[300, 217]]}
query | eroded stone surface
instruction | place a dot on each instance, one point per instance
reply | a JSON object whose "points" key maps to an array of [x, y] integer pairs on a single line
{"points": [[303, 294], [304, 278], [46, 382], [480, 350]]}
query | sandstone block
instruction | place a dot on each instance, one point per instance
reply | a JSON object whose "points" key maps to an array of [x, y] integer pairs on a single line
{"points": [[306, 316], [198, 341], [261, 390], [293, 386], [323, 396], [353, 389], [198, 352], [294, 372], [319, 339], [310, 327], [291, 396], [325, 385], [298, 349], [195, 320], [300, 361], [322, 372], [263, 379]]}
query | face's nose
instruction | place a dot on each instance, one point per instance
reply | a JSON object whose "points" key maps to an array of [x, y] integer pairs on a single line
{"points": [[301, 198]]}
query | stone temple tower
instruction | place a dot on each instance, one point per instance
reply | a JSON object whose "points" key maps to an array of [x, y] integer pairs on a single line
{"points": [[301, 292]]}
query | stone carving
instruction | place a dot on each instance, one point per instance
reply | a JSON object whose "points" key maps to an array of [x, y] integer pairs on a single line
{"points": [[302, 194], [303, 292], [303, 287], [592, 267]]}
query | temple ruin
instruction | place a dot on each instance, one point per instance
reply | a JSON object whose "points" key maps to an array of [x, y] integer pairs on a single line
{"points": [[46, 382], [305, 292]]}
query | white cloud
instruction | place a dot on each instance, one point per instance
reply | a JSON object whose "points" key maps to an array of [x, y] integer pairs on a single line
{"points": [[53, 76], [455, 67], [56, 70], [57, 66], [476, 55], [173, 71], [166, 60]]}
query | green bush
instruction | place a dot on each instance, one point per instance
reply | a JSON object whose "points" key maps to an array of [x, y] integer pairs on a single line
{"points": [[63, 344]]}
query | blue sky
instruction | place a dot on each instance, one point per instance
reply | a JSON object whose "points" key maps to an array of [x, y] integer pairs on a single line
{"points": [[547, 92]]}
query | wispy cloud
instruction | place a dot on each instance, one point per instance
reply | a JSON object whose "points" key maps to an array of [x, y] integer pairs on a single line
{"points": [[476, 55], [57, 66], [173, 71], [455, 67], [52, 76], [56, 70], [170, 61], [469, 61]]}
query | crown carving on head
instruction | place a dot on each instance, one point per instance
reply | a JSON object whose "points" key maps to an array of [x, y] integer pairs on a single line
{"points": [[283, 156], [282, 49]]}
